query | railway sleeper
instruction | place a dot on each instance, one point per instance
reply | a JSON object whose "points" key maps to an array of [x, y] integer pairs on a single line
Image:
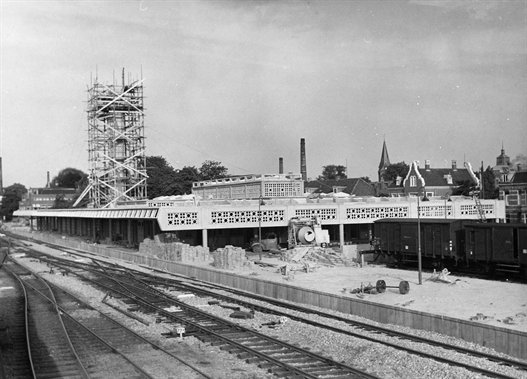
{"points": [[266, 365], [312, 366], [284, 372], [295, 359], [259, 342], [261, 347], [239, 336], [254, 360], [321, 369], [236, 351], [274, 350], [244, 355], [218, 343], [337, 374]]}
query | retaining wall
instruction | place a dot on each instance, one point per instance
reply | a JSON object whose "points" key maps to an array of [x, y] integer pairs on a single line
{"points": [[504, 340]]}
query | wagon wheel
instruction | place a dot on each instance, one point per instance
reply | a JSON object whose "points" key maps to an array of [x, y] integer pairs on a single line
{"points": [[380, 286], [404, 287]]}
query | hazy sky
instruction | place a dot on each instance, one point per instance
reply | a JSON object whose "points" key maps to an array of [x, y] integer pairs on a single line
{"points": [[241, 82]]}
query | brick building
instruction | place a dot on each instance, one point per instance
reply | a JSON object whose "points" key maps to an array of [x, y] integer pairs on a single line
{"points": [[44, 198]]}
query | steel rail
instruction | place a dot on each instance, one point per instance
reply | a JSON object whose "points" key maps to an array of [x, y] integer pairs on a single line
{"points": [[500, 360], [109, 345], [121, 271], [26, 322], [396, 346], [82, 369], [223, 324], [64, 313]]}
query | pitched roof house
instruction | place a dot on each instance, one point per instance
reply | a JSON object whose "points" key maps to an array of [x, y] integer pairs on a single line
{"points": [[514, 193], [432, 181]]}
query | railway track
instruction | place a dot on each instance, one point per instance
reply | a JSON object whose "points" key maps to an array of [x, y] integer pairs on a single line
{"points": [[206, 289], [284, 309], [101, 346], [279, 357], [50, 352]]}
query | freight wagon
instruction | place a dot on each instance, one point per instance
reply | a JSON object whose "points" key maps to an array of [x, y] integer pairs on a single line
{"points": [[459, 245], [495, 248]]}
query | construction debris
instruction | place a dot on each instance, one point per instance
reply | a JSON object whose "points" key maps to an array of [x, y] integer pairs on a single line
{"points": [[242, 314], [313, 256], [369, 289], [174, 251], [441, 276], [230, 258]]}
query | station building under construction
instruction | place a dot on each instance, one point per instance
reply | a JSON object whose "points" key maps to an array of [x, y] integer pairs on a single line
{"points": [[229, 211]]}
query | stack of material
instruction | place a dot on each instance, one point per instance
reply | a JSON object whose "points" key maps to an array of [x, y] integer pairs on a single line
{"points": [[230, 258], [174, 251]]}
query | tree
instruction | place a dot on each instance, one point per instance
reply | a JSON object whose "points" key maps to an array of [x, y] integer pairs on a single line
{"points": [[464, 188], [210, 170], [333, 172], [68, 178], [490, 190], [162, 178], [12, 196], [61, 203], [366, 179], [396, 169], [185, 177]]}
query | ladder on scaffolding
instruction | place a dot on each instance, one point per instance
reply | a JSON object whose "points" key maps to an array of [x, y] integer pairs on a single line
{"points": [[479, 207]]}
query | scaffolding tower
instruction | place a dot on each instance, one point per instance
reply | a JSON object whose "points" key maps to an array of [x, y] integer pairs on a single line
{"points": [[116, 142]]}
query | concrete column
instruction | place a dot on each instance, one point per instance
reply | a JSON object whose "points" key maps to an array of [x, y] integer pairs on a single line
{"points": [[129, 232], [341, 237], [110, 232], [204, 237]]}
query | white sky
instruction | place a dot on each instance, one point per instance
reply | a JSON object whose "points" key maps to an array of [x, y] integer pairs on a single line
{"points": [[241, 82]]}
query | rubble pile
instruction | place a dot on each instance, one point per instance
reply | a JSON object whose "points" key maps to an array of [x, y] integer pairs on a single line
{"points": [[310, 255], [174, 251], [230, 258]]}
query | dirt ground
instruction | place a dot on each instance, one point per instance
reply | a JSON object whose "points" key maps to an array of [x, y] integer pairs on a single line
{"points": [[498, 303]]}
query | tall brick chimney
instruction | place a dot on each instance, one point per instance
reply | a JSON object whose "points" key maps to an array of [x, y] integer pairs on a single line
{"points": [[303, 166], [1, 182]]}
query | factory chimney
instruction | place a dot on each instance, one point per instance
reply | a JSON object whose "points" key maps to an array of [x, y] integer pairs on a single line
{"points": [[47, 183], [303, 168], [280, 165], [1, 183]]}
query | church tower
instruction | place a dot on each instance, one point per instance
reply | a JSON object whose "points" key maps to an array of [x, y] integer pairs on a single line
{"points": [[384, 163], [503, 159]]}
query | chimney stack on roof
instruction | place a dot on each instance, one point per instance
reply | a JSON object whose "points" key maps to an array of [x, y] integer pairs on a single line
{"points": [[427, 165], [280, 165], [454, 165]]}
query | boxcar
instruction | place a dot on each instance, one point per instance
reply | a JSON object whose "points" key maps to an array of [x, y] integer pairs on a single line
{"points": [[439, 240], [495, 248], [489, 248]]}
